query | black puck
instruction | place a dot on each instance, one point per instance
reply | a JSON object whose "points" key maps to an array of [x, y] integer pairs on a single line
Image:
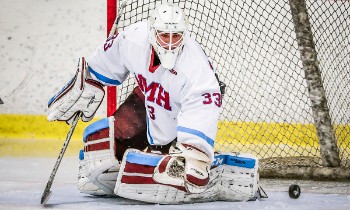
{"points": [[294, 191]]}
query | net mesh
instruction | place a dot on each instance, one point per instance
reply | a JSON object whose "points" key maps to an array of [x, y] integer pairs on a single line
{"points": [[266, 109]]}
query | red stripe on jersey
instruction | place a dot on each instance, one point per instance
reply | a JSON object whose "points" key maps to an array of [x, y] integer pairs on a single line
{"points": [[96, 147], [136, 168]]}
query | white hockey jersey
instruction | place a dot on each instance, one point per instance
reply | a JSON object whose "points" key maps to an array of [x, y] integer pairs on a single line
{"points": [[182, 103]]}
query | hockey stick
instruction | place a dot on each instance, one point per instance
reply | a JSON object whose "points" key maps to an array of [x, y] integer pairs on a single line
{"points": [[117, 19], [47, 192], [11, 93]]}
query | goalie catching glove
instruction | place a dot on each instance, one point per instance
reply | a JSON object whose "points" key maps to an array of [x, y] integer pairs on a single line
{"points": [[81, 94], [185, 166]]}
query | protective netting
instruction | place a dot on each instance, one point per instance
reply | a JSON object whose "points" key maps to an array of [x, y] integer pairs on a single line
{"points": [[252, 44]]}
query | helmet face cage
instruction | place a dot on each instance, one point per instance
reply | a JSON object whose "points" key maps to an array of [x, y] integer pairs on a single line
{"points": [[169, 40]]}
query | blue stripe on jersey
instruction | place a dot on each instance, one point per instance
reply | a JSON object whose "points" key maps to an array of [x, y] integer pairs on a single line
{"points": [[196, 133], [143, 159], [104, 78], [151, 142]]}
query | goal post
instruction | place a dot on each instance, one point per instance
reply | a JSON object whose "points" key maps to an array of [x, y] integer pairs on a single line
{"points": [[111, 90], [308, 55], [286, 67]]}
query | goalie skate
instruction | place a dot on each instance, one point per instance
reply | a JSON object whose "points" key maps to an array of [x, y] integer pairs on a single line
{"points": [[233, 177]]}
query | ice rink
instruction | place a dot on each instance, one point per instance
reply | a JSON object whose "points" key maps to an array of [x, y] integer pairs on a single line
{"points": [[22, 181]]}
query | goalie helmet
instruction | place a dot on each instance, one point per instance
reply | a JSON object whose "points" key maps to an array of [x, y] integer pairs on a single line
{"points": [[167, 30]]}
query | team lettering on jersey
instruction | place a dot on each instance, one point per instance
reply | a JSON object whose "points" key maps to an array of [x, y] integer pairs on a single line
{"points": [[154, 92]]}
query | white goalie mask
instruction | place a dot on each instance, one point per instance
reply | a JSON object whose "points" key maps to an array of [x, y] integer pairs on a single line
{"points": [[167, 30]]}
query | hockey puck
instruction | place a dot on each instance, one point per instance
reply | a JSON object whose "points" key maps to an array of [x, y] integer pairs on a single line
{"points": [[294, 191]]}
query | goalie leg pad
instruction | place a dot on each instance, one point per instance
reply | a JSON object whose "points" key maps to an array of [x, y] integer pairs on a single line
{"points": [[100, 164], [230, 180], [135, 180], [235, 176], [84, 184]]}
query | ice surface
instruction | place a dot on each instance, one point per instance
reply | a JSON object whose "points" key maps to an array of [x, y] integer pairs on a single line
{"points": [[22, 181]]}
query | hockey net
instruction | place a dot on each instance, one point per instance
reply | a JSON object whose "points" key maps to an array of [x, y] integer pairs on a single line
{"points": [[269, 108]]}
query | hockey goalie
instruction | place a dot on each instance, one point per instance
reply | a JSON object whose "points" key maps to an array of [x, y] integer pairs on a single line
{"points": [[158, 146]]}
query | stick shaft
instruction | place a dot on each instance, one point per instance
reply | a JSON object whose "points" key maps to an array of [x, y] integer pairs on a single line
{"points": [[117, 19], [47, 191]]}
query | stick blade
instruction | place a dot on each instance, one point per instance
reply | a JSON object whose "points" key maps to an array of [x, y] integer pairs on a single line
{"points": [[45, 197]]}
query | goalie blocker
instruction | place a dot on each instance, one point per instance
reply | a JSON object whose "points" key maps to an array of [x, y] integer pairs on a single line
{"points": [[82, 93]]}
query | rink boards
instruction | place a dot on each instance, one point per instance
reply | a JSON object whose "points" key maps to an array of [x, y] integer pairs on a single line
{"points": [[33, 135]]}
